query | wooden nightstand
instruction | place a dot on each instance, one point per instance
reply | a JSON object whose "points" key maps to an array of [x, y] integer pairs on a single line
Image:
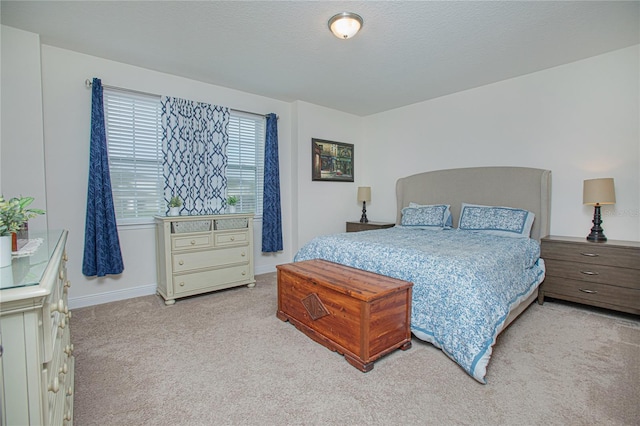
{"points": [[368, 226], [606, 274]]}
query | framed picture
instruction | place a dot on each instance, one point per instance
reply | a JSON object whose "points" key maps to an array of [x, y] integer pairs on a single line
{"points": [[331, 161]]}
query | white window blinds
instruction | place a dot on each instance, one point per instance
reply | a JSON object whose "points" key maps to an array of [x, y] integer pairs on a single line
{"points": [[134, 140], [245, 168]]}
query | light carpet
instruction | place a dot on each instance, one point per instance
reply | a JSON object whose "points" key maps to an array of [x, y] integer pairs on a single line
{"points": [[224, 358]]}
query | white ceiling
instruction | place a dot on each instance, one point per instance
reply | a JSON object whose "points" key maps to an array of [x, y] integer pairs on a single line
{"points": [[407, 51]]}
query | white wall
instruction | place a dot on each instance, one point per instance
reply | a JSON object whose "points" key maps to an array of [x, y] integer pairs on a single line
{"points": [[579, 120], [22, 158], [67, 105], [325, 207]]}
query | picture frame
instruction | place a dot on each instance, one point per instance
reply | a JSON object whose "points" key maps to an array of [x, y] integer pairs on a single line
{"points": [[331, 161]]}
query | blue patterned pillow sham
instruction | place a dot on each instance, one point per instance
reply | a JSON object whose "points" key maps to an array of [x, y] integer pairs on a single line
{"points": [[449, 220], [426, 216], [495, 220]]}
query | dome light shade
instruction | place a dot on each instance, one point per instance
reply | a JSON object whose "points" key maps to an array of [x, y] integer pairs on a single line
{"points": [[345, 25]]}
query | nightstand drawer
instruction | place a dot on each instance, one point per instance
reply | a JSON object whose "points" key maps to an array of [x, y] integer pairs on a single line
{"points": [[622, 277], [596, 294], [591, 253]]}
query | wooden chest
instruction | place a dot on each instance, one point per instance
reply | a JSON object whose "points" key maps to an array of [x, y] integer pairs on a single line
{"points": [[358, 314]]}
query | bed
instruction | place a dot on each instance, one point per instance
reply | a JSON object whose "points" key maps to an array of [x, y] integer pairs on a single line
{"points": [[468, 239]]}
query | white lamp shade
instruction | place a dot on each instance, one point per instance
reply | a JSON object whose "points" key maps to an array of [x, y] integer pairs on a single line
{"points": [[345, 25], [364, 193], [599, 191]]}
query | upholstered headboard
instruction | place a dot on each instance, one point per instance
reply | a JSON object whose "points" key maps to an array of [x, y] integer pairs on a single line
{"points": [[520, 187]]}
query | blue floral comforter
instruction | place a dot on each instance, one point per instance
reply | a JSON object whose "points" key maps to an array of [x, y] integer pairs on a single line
{"points": [[464, 283]]}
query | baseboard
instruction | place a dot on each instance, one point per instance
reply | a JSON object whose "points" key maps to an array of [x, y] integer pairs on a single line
{"points": [[130, 293], [111, 296]]}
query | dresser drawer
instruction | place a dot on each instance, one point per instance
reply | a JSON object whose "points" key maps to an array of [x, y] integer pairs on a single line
{"points": [[607, 296], [622, 277], [59, 378], [191, 242], [54, 311], [231, 238], [183, 262], [68, 398], [186, 283], [592, 253]]}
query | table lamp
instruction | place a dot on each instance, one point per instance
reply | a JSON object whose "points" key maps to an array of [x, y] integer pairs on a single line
{"points": [[364, 195], [597, 192]]}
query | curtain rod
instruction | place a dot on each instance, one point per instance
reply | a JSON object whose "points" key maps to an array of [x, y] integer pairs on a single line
{"points": [[88, 83]]}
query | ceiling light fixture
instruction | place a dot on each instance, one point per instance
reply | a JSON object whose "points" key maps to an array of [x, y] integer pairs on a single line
{"points": [[345, 25]]}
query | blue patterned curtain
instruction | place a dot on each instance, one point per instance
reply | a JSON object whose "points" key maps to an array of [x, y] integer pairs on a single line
{"points": [[194, 145], [271, 210], [102, 255]]}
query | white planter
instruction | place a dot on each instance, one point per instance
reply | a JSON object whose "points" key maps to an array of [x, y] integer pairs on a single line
{"points": [[5, 251], [232, 209], [174, 211]]}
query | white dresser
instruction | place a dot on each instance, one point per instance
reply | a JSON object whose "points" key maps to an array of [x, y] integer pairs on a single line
{"points": [[37, 360], [198, 254]]}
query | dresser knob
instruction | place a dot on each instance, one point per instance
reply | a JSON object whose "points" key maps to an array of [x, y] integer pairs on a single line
{"points": [[243, 254], [55, 385], [182, 284], [585, 290], [233, 238], [244, 272], [589, 273], [59, 307], [181, 262], [193, 242]]}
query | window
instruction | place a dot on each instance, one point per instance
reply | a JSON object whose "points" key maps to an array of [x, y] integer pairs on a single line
{"points": [[134, 139], [245, 169]]}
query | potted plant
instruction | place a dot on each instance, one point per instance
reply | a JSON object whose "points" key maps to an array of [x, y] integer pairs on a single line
{"points": [[232, 200], [174, 206], [14, 213]]}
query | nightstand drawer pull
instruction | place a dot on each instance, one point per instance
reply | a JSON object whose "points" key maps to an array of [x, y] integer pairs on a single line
{"points": [[584, 290], [589, 273], [590, 254]]}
